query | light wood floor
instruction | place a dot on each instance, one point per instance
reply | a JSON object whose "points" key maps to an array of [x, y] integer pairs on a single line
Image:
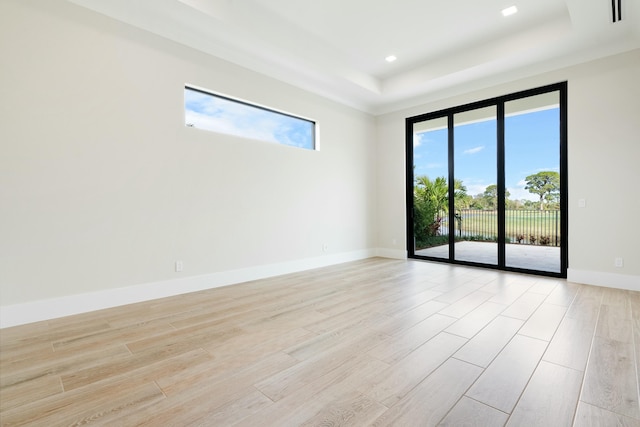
{"points": [[375, 342]]}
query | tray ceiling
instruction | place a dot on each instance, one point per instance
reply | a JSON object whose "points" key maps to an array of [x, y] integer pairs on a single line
{"points": [[337, 48]]}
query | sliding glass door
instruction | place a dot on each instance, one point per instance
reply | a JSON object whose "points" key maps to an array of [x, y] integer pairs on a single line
{"points": [[475, 171], [486, 183], [430, 189], [532, 170]]}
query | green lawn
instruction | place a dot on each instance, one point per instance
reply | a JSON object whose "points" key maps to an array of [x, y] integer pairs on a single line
{"points": [[483, 225]]}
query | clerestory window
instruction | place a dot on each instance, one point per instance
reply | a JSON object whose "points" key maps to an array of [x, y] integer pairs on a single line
{"points": [[217, 113]]}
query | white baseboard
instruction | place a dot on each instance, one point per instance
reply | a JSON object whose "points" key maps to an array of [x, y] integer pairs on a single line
{"points": [[391, 253], [20, 314], [609, 280]]}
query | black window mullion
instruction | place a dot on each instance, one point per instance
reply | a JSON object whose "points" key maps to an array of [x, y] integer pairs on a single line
{"points": [[451, 216], [501, 186], [564, 191], [410, 188]]}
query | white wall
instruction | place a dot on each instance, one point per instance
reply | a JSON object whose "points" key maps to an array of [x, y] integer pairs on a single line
{"points": [[604, 169], [604, 166], [102, 187]]}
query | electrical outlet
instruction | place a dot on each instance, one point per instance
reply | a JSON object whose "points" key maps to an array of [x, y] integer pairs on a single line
{"points": [[179, 266], [618, 262]]}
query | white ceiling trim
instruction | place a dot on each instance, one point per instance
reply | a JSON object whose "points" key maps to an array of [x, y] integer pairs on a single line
{"points": [[322, 53]]}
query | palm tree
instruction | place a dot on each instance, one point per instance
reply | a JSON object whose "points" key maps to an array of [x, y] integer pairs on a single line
{"points": [[462, 199], [431, 201], [435, 192]]}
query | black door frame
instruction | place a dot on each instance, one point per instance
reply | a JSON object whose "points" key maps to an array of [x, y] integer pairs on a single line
{"points": [[499, 102]]}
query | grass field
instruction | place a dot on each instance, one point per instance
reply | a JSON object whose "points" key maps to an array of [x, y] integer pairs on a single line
{"points": [[526, 227]]}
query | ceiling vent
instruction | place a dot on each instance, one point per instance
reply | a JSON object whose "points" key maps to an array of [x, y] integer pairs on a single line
{"points": [[616, 10]]}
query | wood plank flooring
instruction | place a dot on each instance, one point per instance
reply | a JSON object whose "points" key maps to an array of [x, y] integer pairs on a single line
{"points": [[376, 342]]}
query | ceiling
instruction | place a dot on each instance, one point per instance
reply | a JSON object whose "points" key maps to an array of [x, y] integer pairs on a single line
{"points": [[337, 48]]}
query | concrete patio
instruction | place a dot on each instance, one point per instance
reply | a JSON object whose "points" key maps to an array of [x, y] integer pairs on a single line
{"points": [[542, 258]]}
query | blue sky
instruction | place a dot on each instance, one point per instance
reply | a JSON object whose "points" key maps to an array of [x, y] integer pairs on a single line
{"points": [[531, 146], [216, 114]]}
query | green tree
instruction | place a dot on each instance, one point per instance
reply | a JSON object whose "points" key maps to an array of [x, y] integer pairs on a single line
{"points": [[428, 197], [436, 192], [431, 200], [460, 196], [513, 204], [545, 184], [529, 204], [478, 202], [490, 196]]}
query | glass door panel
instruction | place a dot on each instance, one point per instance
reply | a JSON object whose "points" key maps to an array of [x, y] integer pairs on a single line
{"points": [[532, 180], [475, 186], [430, 188], [486, 183]]}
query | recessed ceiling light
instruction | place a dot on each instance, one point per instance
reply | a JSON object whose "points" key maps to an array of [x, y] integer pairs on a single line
{"points": [[509, 11], [390, 58]]}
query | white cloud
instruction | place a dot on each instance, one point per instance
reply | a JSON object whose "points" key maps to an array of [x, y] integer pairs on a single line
{"points": [[232, 118], [228, 125], [519, 193], [473, 189], [417, 140], [474, 150]]}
